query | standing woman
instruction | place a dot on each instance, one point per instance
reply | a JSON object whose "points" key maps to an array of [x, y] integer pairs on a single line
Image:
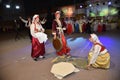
{"points": [[57, 30], [38, 38]]}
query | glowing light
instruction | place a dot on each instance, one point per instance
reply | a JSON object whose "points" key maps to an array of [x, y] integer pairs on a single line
{"points": [[104, 12], [68, 10], [90, 5], [92, 14], [113, 11], [109, 3], [81, 6], [7, 6], [17, 7]]}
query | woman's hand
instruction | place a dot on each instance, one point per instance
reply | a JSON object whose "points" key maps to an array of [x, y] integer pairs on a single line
{"points": [[42, 30], [88, 67], [54, 36], [20, 17]]}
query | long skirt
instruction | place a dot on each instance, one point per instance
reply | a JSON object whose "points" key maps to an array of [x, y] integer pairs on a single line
{"points": [[69, 29], [83, 27], [76, 28], [99, 28], [102, 61], [80, 28], [65, 49], [38, 49]]}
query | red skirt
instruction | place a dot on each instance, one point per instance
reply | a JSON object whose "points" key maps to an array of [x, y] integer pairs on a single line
{"points": [[65, 49], [83, 27], [99, 28], [69, 29], [38, 49]]}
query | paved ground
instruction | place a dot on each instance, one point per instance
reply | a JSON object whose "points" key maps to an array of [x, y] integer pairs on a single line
{"points": [[17, 64]]}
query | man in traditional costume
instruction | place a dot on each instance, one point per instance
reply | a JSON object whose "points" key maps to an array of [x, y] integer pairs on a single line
{"points": [[57, 30], [27, 22], [98, 56], [38, 38]]}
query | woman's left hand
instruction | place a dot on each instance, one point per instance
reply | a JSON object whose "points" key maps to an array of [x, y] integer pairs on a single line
{"points": [[88, 67]]}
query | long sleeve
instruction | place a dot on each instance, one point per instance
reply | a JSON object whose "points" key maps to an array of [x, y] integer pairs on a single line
{"points": [[91, 50], [32, 31], [23, 20], [53, 27], [42, 22], [64, 25], [95, 52], [27, 23]]}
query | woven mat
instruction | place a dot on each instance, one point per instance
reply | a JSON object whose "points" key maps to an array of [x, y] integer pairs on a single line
{"points": [[77, 62]]}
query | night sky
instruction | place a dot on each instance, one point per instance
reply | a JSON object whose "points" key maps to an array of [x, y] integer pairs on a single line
{"points": [[37, 5], [31, 6]]}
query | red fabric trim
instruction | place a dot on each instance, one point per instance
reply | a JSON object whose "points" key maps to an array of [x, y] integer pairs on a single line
{"points": [[102, 47]]}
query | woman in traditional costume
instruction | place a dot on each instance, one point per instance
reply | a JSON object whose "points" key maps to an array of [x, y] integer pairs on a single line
{"points": [[38, 38], [98, 56], [57, 30]]}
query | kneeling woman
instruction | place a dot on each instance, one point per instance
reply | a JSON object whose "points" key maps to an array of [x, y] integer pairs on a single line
{"points": [[38, 38], [98, 56]]}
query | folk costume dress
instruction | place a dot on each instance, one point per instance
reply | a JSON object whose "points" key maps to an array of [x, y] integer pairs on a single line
{"points": [[57, 28], [98, 55], [38, 39]]}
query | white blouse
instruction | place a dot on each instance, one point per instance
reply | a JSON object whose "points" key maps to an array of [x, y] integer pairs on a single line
{"points": [[96, 52], [38, 27]]}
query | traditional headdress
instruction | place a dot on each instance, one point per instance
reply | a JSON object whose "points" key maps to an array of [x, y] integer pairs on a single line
{"points": [[57, 12], [94, 37], [34, 17]]}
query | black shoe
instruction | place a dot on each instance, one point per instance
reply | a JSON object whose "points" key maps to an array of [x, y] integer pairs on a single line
{"points": [[35, 59], [43, 57]]}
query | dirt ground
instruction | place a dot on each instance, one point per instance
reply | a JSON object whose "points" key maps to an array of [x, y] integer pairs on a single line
{"points": [[16, 62]]}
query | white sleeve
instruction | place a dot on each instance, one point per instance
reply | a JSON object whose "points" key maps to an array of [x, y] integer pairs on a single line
{"points": [[91, 50], [32, 30], [43, 29], [23, 20], [96, 52]]}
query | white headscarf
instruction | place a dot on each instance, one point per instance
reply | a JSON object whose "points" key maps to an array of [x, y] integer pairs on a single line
{"points": [[57, 12], [95, 38], [34, 17]]}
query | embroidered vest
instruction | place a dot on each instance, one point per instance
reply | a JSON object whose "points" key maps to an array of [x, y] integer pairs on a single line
{"points": [[102, 47]]}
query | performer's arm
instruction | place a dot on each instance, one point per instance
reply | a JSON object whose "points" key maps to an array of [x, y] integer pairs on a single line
{"points": [[96, 52], [23, 20], [42, 29], [32, 29], [91, 50], [54, 29], [64, 25], [43, 21]]}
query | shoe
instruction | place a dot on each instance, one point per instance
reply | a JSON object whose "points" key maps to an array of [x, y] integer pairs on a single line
{"points": [[41, 57], [68, 56], [35, 59]]}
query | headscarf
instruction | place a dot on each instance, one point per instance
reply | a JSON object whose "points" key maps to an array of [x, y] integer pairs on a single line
{"points": [[34, 17], [57, 12], [95, 38]]}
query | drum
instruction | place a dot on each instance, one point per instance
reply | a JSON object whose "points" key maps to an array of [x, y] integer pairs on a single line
{"points": [[57, 44]]}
